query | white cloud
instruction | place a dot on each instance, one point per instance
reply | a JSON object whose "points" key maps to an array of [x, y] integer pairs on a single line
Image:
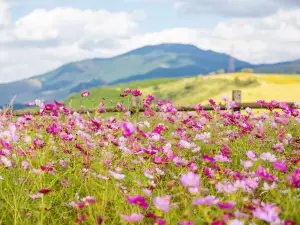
{"points": [[236, 8], [4, 13], [264, 40], [43, 40], [69, 24]]}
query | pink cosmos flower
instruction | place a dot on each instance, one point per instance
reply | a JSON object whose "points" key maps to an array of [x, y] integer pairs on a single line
{"points": [[186, 222], [34, 196], [85, 94], [252, 183], [89, 199], [39, 103], [268, 156], [235, 222], [134, 217], [20, 152], [225, 98], [268, 213], [226, 187], [208, 200], [278, 147], [6, 161], [147, 192], [128, 129], [102, 177], [251, 155], [247, 164], [116, 175], [127, 90], [156, 159], [162, 203], [190, 180], [25, 165]]}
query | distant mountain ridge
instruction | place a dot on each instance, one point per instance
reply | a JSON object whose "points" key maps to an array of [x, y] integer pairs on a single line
{"points": [[157, 61], [282, 67]]}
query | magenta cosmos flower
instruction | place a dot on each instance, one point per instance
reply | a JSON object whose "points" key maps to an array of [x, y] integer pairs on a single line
{"points": [[99, 220], [281, 166], [138, 200], [226, 205], [136, 93], [128, 129], [85, 94], [45, 191]]}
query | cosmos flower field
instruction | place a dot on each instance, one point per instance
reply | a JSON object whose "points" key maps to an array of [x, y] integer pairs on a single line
{"points": [[207, 167]]}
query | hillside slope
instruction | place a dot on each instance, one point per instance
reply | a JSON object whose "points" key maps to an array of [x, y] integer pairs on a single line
{"points": [[159, 61], [192, 90], [284, 68]]}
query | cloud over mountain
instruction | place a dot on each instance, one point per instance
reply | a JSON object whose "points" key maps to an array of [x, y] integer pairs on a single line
{"points": [[236, 8]]}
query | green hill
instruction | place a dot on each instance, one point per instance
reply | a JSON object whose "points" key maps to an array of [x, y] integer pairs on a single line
{"points": [[149, 62], [159, 61], [284, 68]]}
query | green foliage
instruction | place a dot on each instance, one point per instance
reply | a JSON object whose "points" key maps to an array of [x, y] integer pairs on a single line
{"points": [[245, 82], [188, 87], [155, 87], [221, 71], [247, 70]]}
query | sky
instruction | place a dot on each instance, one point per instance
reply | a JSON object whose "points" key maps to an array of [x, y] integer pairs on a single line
{"points": [[37, 36]]}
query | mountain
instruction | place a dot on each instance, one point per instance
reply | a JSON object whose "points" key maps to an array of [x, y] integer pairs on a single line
{"points": [[283, 67], [158, 61]]}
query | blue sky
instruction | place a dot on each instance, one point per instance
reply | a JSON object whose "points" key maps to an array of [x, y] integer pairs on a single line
{"points": [[40, 35]]}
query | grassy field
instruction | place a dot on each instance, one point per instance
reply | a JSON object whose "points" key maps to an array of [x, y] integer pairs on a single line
{"points": [[192, 90]]}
